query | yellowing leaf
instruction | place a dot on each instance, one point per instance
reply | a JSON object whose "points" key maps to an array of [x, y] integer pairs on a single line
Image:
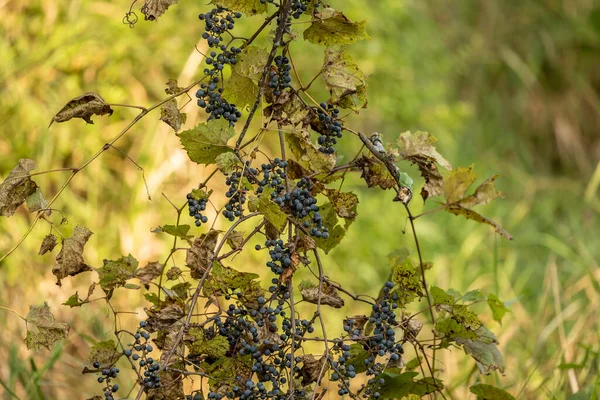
{"points": [[252, 62], [334, 29], [106, 353], [83, 107], [42, 329], [115, 273], [345, 204], [198, 344], [207, 140], [328, 296], [69, 261], [226, 162], [16, 187], [269, 209], [344, 79], [498, 308], [240, 90], [250, 7], [169, 113], [470, 214], [457, 183], [489, 392], [179, 231], [336, 230], [484, 193], [152, 9], [375, 173]]}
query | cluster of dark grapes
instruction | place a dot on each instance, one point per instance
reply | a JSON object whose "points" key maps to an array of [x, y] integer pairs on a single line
{"points": [[107, 375], [273, 177], [218, 21], [196, 206], [148, 364], [236, 195], [280, 78], [331, 129], [303, 205], [280, 256]]}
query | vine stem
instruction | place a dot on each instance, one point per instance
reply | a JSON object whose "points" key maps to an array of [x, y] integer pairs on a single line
{"points": [[321, 280], [13, 311], [75, 171]]}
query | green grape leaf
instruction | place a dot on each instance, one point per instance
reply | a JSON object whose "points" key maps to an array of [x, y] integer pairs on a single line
{"points": [[489, 392], [200, 256], [42, 328], [83, 107], [69, 261], [451, 329], [226, 162], [153, 299], [179, 231], [249, 7], [149, 272], [240, 90], [328, 296], [225, 279], [344, 79], [345, 204], [336, 230], [16, 187], [197, 344], [235, 240], [115, 273], [269, 209], [419, 149], [498, 308], [170, 114], [153, 9], [36, 202], [48, 244], [207, 141], [106, 353], [457, 183], [307, 154], [334, 28], [407, 280], [76, 301], [486, 355], [357, 358], [399, 384], [252, 62], [439, 296]]}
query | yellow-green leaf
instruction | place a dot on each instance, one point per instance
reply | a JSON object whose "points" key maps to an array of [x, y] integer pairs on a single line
{"points": [[334, 28], [250, 7], [207, 140], [344, 79], [457, 182], [42, 328]]}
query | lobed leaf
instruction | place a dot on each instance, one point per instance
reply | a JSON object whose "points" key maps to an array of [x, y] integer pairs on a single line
{"points": [[344, 79], [334, 28], [106, 353], [115, 273], [207, 141], [69, 261], [16, 187], [42, 328]]}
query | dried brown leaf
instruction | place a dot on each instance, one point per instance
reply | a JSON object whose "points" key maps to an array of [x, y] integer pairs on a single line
{"points": [[83, 107], [69, 261], [16, 187]]}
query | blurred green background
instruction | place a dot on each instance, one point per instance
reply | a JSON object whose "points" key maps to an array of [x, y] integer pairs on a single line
{"points": [[510, 86]]}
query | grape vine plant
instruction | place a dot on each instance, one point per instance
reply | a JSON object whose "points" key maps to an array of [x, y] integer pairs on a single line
{"points": [[217, 333]]}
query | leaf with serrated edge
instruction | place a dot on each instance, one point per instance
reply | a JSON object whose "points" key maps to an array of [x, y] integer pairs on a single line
{"points": [[179, 231], [344, 79], [334, 29], [457, 182], [69, 261], [240, 90], [226, 162], [42, 328], [345, 204], [207, 140], [485, 193], [16, 187], [249, 7], [170, 114], [487, 355], [269, 209], [252, 62], [115, 273], [498, 308], [307, 153]]}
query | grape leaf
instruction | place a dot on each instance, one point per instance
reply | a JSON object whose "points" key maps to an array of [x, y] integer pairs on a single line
{"points": [[207, 140], [153, 9], [498, 308], [487, 355], [48, 244], [226, 162], [148, 273], [200, 256], [345, 204], [170, 114], [397, 385], [224, 279], [115, 273], [470, 214], [106, 353], [16, 187], [375, 173], [69, 261], [485, 193], [334, 28], [307, 154], [197, 344], [457, 183], [269, 209], [171, 387], [406, 278], [489, 392], [42, 328], [179, 231], [250, 7], [36, 202], [83, 107], [166, 315], [173, 87], [174, 273], [76, 301], [287, 108], [235, 240], [419, 149], [240, 90], [336, 230], [311, 369], [329, 295], [252, 62], [344, 79]]}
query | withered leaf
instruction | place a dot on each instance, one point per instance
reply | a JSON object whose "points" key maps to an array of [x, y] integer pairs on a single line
{"points": [[83, 107], [456, 209], [16, 187], [170, 114], [335, 28], [106, 353], [375, 173], [152, 9], [36, 202], [345, 204], [329, 295], [115, 273], [171, 387], [307, 153], [42, 329], [69, 261], [170, 312], [312, 368], [149, 272], [48, 244], [235, 240], [173, 87], [173, 273], [200, 256], [76, 301], [344, 79]]}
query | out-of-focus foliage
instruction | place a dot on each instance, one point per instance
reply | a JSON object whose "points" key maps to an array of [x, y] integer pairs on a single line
{"points": [[511, 86]]}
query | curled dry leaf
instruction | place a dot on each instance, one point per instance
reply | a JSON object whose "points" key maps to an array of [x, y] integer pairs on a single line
{"points": [[106, 353], [170, 114], [329, 295], [48, 244], [83, 107], [152, 9], [149, 272], [42, 329], [16, 187], [174, 273], [69, 261], [311, 368], [199, 257]]}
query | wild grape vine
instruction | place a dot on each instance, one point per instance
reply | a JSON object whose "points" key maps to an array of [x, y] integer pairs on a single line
{"points": [[218, 333]]}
